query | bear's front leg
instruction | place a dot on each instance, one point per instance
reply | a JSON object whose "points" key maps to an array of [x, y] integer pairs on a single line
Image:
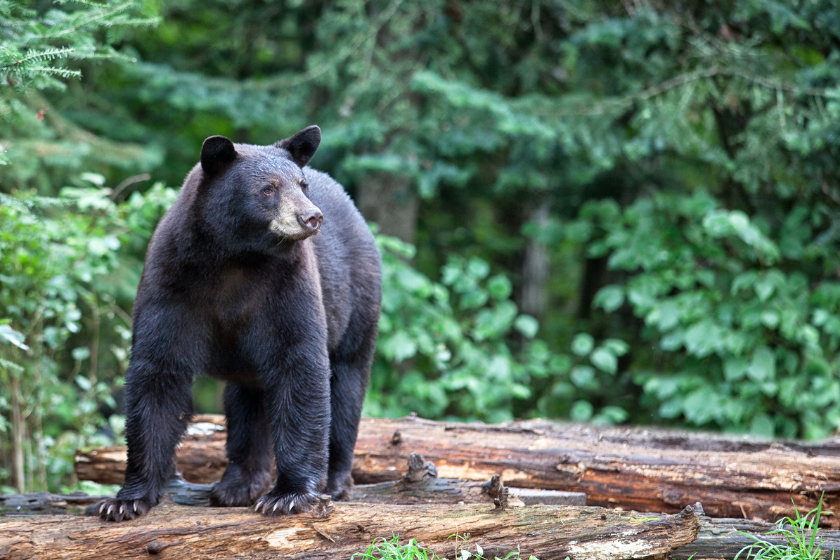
{"points": [[158, 408], [158, 404], [298, 399]]}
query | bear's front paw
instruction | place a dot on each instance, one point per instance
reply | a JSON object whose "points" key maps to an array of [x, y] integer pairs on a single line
{"points": [[286, 503], [236, 491], [114, 509]]}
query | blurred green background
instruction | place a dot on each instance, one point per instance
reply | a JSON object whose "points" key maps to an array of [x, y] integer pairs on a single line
{"points": [[608, 211]]}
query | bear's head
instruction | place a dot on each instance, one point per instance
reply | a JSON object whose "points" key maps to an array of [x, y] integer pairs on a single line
{"points": [[257, 195]]}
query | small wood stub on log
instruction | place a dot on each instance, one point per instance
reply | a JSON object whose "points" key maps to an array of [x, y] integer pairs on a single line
{"points": [[628, 468], [186, 533]]}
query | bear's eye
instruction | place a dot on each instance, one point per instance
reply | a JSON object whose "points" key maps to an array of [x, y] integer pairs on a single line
{"points": [[268, 190], [304, 185]]}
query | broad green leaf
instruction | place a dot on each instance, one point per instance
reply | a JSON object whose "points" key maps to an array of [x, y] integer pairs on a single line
{"points": [[583, 344], [604, 360], [526, 325], [763, 365]]}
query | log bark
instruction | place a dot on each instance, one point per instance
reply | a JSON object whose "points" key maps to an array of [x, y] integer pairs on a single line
{"points": [[200, 457], [184, 533], [627, 468], [428, 491], [718, 539], [723, 539]]}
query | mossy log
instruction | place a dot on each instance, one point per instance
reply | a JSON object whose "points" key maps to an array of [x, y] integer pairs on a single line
{"points": [[185, 533], [627, 468]]}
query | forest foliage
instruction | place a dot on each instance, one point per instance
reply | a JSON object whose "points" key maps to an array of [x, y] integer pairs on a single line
{"points": [[625, 211]]}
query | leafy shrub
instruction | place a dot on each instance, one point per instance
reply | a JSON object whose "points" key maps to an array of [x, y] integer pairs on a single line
{"points": [[58, 259], [743, 339], [458, 348]]}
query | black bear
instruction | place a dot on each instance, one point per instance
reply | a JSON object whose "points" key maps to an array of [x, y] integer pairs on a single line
{"points": [[245, 283]]}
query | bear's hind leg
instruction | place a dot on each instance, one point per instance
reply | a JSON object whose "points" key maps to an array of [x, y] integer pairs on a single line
{"points": [[350, 365], [247, 476]]}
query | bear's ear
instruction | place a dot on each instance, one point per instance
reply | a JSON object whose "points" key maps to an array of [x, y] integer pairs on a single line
{"points": [[216, 152], [302, 145]]}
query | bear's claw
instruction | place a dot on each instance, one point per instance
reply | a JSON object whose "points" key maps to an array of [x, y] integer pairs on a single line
{"points": [[114, 509], [286, 504]]}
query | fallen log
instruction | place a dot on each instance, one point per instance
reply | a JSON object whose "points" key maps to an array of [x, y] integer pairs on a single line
{"points": [[718, 539], [200, 457], [628, 468], [419, 485], [723, 539], [185, 533]]}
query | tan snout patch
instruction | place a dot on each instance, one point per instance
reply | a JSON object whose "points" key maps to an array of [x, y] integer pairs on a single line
{"points": [[286, 224]]}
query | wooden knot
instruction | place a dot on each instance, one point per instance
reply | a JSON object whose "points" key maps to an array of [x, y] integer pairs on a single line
{"points": [[419, 469], [396, 439]]}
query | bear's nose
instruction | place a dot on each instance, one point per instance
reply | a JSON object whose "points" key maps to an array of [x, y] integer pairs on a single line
{"points": [[311, 220]]}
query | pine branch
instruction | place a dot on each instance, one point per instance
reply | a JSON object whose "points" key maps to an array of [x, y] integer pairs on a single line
{"points": [[60, 72], [98, 16], [41, 56]]}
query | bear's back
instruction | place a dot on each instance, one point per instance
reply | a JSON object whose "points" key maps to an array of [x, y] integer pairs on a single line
{"points": [[348, 260]]}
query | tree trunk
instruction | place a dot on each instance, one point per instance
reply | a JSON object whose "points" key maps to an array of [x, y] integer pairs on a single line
{"points": [[389, 201], [172, 531], [628, 468], [17, 435], [535, 267]]}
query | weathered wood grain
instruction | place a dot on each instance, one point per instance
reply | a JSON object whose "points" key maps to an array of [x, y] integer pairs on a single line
{"points": [[628, 468], [429, 491], [722, 539], [186, 533]]}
